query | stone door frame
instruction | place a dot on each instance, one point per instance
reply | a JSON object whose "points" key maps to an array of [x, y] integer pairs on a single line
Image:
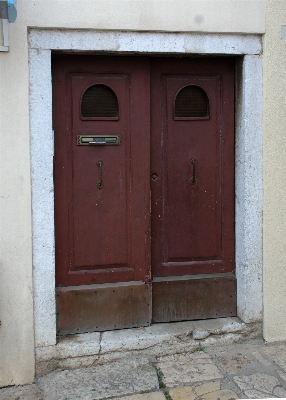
{"points": [[248, 151]]}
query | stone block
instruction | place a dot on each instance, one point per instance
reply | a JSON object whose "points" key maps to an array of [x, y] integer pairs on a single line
{"points": [[183, 369], [127, 376]]}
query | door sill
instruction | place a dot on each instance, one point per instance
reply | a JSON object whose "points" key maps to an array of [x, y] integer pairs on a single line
{"points": [[84, 350]]}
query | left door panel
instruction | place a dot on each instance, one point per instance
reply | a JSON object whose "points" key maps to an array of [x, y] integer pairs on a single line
{"points": [[102, 217]]}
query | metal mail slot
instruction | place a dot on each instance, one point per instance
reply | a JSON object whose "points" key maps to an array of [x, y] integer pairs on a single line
{"points": [[98, 140]]}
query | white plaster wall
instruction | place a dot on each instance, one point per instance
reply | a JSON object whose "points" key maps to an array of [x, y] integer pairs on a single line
{"points": [[16, 288], [236, 16], [274, 255]]}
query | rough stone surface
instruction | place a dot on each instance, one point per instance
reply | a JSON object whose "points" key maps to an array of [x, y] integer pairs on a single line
{"points": [[279, 392], [174, 346], [220, 394], [282, 375], [70, 346], [88, 349], [249, 189], [187, 368], [277, 354], [45, 367], [233, 362], [42, 197], [200, 334], [142, 338], [28, 392], [261, 382], [191, 392], [182, 393], [261, 358], [249, 369], [207, 387], [205, 391], [256, 394], [115, 379], [151, 42], [145, 396]]}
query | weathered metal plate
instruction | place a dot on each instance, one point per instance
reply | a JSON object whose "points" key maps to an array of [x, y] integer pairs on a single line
{"points": [[189, 297], [103, 307], [98, 140]]}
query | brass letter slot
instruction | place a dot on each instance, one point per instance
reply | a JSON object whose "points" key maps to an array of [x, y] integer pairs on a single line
{"points": [[98, 140]]}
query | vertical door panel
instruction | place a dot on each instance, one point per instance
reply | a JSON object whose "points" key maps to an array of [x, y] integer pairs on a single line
{"points": [[191, 212], [192, 224], [101, 233], [102, 196], [100, 223]]}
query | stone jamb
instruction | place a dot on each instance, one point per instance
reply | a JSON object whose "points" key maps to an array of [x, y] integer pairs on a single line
{"points": [[248, 151]]}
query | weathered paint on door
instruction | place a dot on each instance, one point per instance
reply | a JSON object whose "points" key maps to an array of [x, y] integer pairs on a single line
{"points": [[102, 193], [102, 234], [192, 161]]}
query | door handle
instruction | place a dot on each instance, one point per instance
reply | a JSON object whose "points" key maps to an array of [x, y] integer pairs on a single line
{"points": [[192, 180], [99, 163]]}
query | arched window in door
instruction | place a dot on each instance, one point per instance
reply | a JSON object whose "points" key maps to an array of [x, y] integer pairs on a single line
{"points": [[191, 103], [99, 102]]}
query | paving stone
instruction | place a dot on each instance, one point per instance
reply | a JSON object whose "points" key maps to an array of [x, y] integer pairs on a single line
{"points": [[28, 392], [256, 394], [208, 391], [279, 392], [282, 375], [233, 363], [183, 393], [127, 376], [183, 369], [207, 387], [145, 396], [261, 358], [277, 354], [224, 394], [191, 392], [257, 382], [190, 375]]}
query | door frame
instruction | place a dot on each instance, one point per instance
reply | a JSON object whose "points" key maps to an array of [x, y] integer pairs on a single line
{"points": [[248, 151]]}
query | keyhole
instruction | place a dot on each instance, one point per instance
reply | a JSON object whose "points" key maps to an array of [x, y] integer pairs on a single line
{"points": [[154, 177]]}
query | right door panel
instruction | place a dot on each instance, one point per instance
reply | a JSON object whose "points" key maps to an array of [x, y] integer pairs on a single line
{"points": [[192, 182]]}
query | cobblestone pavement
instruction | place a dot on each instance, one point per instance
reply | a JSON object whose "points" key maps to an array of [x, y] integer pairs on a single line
{"points": [[253, 370]]}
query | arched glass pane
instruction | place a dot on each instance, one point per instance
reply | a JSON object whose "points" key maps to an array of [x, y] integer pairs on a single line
{"points": [[99, 101], [191, 102]]}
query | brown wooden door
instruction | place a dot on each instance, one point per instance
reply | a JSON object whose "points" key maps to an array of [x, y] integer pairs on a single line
{"points": [[102, 191], [102, 200], [192, 180]]}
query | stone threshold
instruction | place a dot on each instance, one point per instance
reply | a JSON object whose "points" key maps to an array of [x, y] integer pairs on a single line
{"points": [[85, 350]]}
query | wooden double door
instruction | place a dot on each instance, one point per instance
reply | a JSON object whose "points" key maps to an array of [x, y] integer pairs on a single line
{"points": [[144, 190]]}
